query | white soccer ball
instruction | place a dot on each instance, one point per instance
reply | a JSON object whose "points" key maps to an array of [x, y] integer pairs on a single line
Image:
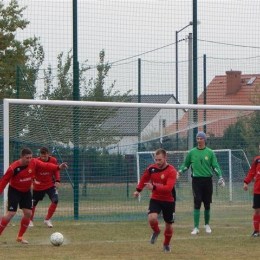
{"points": [[57, 239]]}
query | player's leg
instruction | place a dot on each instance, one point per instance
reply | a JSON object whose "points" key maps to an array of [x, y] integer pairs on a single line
{"points": [[153, 211], [54, 197], [256, 215], [36, 197], [207, 200], [13, 199], [168, 215], [26, 206], [197, 199]]}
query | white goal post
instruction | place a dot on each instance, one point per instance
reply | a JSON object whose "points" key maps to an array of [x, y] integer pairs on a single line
{"points": [[103, 131], [172, 160]]}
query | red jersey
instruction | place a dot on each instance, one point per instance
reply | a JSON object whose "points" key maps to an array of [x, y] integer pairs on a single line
{"points": [[45, 178], [254, 173], [20, 177], [163, 179]]}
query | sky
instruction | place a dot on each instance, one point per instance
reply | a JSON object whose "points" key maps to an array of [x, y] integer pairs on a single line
{"points": [[228, 35]]}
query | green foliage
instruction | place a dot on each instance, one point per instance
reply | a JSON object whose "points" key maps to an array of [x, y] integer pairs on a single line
{"points": [[28, 53], [93, 89]]}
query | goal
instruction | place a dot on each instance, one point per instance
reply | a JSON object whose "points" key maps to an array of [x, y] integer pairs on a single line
{"points": [[230, 162], [108, 144]]}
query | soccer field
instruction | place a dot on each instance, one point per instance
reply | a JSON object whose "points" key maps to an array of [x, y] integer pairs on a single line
{"points": [[130, 240]]}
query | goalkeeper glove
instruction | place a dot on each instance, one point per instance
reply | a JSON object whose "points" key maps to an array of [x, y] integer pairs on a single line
{"points": [[221, 182]]}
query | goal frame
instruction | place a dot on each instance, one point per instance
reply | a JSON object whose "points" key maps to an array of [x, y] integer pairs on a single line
{"points": [[7, 102], [230, 177]]}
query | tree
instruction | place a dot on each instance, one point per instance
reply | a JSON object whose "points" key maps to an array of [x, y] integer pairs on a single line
{"points": [[92, 132], [27, 53], [91, 90]]}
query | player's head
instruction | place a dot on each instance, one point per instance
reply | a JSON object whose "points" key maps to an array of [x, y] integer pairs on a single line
{"points": [[160, 158], [201, 139], [44, 153], [26, 156]]}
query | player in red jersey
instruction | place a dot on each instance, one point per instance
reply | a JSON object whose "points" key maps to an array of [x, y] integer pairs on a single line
{"points": [[19, 175], [254, 173], [46, 182], [160, 178]]}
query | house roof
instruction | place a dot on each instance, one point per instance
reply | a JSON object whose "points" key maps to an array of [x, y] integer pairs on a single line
{"points": [[217, 93], [126, 119]]}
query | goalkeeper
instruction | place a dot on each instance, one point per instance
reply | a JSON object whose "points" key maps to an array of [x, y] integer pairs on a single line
{"points": [[203, 162]]}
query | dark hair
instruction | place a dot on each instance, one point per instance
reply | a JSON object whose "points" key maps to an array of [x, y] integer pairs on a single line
{"points": [[44, 150], [25, 151], [161, 151]]}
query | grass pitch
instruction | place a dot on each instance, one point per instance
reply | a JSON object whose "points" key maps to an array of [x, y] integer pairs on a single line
{"points": [[130, 240]]}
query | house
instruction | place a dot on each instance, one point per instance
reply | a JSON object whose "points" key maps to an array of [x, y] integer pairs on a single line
{"points": [[234, 88], [133, 125]]}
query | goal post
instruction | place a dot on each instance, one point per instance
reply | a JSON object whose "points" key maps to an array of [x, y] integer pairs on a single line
{"points": [[102, 144], [175, 156]]}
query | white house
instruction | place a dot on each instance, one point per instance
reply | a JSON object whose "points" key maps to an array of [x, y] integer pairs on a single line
{"points": [[133, 125]]}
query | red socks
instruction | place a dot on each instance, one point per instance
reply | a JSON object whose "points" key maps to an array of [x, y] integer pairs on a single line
{"points": [[51, 211], [155, 227], [3, 224], [23, 226], [256, 221], [167, 236]]}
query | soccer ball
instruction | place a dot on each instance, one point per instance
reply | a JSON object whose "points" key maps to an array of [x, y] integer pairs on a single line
{"points": [[57, 239]]}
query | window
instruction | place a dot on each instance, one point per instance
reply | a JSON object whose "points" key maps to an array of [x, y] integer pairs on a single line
{"points": [[251, 81]]}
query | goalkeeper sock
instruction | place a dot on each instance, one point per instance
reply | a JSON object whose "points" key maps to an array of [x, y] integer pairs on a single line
{"points": [[256, 221], [167, 236], [196, 216], [207, 216], [155, 227]]}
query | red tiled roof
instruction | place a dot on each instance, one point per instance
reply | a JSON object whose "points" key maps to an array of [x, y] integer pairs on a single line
{"points": [[218, 121]]}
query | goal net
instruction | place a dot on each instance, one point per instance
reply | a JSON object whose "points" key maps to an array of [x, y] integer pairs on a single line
{"points": [[103, 141], [230, 161]]}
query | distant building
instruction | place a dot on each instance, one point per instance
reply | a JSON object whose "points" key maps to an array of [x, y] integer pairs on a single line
{"points": [[150, 122], [234, 88]]}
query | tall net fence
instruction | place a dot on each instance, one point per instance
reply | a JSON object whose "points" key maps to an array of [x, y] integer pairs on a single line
{"points": [[156, 33], [128, 51], [106, 145]]}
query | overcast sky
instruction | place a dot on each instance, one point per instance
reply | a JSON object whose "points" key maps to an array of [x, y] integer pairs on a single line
{"points": [[128, 30]]}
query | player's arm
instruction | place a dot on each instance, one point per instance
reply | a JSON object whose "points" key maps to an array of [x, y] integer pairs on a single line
{"points": [[217, 170], [6, 179], [251, 174], [185, 166], [144, 179], [215, 166], [50, 166], [56, 175]]}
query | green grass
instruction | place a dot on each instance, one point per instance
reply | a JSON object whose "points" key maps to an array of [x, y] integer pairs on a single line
{"points": [[230, 239]]}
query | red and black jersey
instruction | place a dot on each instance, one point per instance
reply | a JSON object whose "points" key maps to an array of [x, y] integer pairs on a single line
{"points": [[20, 177], [254, 173], [45, 178], [163, 180]]}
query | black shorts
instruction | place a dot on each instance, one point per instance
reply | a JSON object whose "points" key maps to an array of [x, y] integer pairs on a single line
{"points": [[51, 192], [167, 208], [16, 197], [202, 188], [256, 201]]}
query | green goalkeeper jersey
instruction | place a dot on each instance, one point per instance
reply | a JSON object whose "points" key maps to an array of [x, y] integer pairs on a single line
{"points": [[202, 162]]}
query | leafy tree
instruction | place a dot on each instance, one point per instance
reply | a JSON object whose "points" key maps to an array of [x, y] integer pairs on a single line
{"points": [[28, 53], [61, 86], [91, 132]]}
